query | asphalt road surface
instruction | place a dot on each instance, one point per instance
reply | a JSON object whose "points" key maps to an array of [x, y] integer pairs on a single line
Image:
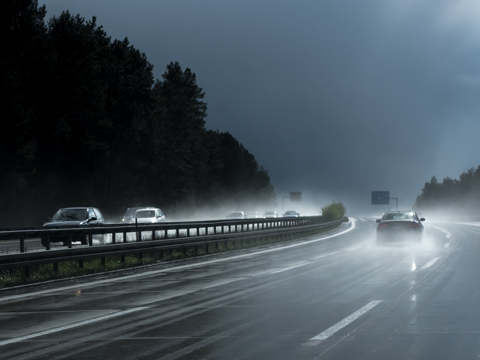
{"points": [[335, 296]]}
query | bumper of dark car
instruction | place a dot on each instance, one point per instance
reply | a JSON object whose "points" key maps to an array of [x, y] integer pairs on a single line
{"points": [[387, 236]]}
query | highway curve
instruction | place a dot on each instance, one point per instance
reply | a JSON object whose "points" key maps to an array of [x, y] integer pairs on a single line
{"points": [[334, 296]]}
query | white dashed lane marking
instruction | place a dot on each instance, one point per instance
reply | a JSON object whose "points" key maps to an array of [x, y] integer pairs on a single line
{"points": [[341, 324]]}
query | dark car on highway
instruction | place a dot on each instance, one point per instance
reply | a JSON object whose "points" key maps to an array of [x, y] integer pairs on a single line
{"points": [[399, 226], [72, 217]]}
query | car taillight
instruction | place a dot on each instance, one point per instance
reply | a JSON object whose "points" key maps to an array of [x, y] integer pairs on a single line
{"points": [[413, 225], [382, 226]]}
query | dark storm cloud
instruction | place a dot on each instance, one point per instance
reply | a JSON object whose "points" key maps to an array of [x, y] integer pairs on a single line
{"points": [[334, 98]]}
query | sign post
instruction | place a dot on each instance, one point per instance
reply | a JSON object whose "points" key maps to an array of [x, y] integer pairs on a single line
{"points": [[294, 196]]}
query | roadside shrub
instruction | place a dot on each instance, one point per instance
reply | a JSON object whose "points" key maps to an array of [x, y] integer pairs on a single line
{"points": [[334, 211]]}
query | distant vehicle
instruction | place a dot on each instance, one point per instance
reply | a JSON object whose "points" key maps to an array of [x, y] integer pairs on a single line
{"points": [[148, 216], [399, 225], [131, 211], [72, 217], [236, 215], [270, 214], [291, 213], [252, 215]]}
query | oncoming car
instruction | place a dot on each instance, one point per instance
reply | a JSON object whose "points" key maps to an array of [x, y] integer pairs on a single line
{"points": [[236, 215], [148, 216], [72, 217], [270, 214], [399, 226], [127, 218], [291, 213]]}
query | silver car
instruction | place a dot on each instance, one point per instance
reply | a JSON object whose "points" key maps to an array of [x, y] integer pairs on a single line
{"points": [[291, 213], [127, 218], [148, 216], [236, 215], [270, 214]]}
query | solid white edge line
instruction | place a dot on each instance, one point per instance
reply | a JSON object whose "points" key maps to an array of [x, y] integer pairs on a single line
{"points": [[70, 326], [341, 324], [189, 266]]}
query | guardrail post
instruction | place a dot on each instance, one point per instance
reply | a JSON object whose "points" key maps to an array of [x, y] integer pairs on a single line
{"points": [[124, 236], [114, 235], [90, 238], [69, 239], [214, 230], [22, 242], [153, 234], [198, 231], [47, 247], [177, 232], [206, 249]]}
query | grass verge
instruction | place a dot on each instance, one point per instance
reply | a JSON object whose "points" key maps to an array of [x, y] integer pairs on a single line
{"points": [[69, 269]]}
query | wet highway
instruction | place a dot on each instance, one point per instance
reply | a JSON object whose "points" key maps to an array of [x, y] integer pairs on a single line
{"points": [[334, 296]]}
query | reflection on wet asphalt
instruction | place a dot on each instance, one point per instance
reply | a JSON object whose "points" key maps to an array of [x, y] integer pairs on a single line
{"points": [[336, 297]]}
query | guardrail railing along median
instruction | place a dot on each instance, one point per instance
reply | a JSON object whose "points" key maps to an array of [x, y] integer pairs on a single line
{"points": [[131, 239]]}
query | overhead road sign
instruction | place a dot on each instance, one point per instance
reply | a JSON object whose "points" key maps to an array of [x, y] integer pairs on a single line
{"points": [[380, 197]]}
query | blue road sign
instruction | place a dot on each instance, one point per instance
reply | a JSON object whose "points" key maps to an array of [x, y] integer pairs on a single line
{"points": [[380, 197]]}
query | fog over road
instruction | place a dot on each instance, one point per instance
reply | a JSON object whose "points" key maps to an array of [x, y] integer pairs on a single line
{"points": [[335, 296]]}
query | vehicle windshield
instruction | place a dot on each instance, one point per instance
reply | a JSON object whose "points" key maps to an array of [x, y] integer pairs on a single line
{"points": [[291, 212], [131, 211], [145, 214], [70, 215]]}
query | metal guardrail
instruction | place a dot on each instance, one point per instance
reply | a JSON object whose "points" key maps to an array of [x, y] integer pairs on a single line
{"points": [[215, 232]]}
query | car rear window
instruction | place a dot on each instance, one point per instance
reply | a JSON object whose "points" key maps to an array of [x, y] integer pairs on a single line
{"points": [[399, 216]]}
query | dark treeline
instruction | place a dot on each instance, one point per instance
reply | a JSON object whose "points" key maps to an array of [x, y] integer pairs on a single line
{"points": [[457, 197], [85, 123]]}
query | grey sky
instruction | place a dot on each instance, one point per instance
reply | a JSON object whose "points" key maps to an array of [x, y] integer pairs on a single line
{"points": [[334, 98]]}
